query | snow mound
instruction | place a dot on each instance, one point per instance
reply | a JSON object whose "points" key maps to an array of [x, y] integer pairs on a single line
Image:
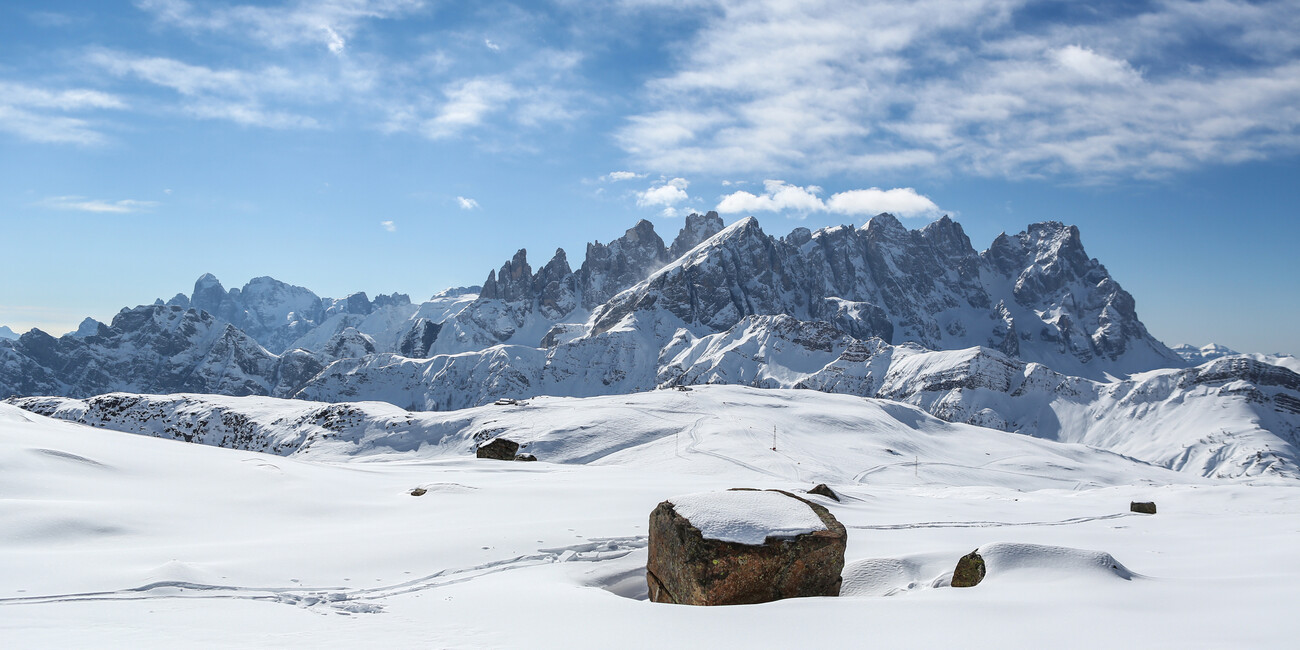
{"points": [[747, 516], [1004, 558], [889, 576]]}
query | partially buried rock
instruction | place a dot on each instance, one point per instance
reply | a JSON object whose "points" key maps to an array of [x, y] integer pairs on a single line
{"points": [[498, 449], [970, 570], [526, 457], [419, 492], [1145, 507], [822, 490], [743, 546]]}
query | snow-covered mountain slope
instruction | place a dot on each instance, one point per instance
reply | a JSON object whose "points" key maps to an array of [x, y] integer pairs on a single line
{"points": [[6, 333], [818, 437], [1036, 296], [1204, 353], [1204, 430], [518, 306], [1197, 356], [146, 349], [1232, 416], [120, 540]]}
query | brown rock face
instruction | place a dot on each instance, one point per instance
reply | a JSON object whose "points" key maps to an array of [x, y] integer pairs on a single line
{"points": [[498, 449], [1145, 507], [685, 568], [821, 489], [970, 570]]}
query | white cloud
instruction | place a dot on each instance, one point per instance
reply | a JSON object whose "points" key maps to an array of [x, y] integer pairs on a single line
{"points": [[249, 114], [426, 92], [668, 194], [487, 42], [614, 177], [239, 96], [389, 226], [822, 88], [900, 202], [199, 81], [466, 204], [1092, 66], [315, 22], [779, 196], [83, 204], [468, 103], [38, 114]]}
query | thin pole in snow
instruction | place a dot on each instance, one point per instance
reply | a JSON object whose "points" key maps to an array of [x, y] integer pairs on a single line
{"points": [[773, 437]]}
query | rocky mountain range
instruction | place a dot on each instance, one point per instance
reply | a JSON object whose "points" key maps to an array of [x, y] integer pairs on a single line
{"points": [[1035, 296], [1030, 335]]}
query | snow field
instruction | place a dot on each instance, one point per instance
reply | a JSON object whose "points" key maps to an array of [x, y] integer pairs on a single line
{"points": [[114, 539]]}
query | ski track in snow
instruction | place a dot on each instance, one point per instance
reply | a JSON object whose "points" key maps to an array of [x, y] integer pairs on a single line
{"points": [[693, 447], [348, 601], [992, 524]]}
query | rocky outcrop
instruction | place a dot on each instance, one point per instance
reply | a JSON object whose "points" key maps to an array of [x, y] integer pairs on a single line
{"points": [[823, 490], [686, 566], [970, 570], [417, 341], [497, 449], [696, 229], [1144, 507]]}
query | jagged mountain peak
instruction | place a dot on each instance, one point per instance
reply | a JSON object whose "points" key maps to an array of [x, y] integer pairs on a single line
{"points": [[884, 222], [695, 230], [207, 280]]}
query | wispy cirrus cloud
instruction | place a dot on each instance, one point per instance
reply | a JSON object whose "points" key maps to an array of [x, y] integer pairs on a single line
{"points": [[327, 23], [1087, 92], [83, 204], [466, 203], [43, 115], [238, 96]]}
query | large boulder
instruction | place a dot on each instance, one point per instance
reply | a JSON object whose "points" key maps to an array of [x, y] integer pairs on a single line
{"points": [[743, 546], [498, 449]]}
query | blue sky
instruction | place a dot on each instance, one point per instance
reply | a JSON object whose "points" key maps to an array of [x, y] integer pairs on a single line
{"points": [[409, 145]]}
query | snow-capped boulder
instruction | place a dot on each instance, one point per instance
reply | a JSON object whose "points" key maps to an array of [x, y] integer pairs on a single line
{"points": [[741, 547]]}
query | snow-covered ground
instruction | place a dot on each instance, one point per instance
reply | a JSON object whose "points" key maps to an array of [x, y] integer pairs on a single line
{"points": [[117, 539]]}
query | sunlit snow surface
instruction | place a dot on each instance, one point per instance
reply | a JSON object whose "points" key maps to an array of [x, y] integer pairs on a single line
{"points": [[746, 517], [123, 540]]}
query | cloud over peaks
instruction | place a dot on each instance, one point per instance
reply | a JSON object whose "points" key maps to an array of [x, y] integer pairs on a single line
{"points": [[668, 193], [782, 197]]}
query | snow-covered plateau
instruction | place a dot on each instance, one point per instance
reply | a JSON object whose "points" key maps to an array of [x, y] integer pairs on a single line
{"points": [[112, 538]]}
